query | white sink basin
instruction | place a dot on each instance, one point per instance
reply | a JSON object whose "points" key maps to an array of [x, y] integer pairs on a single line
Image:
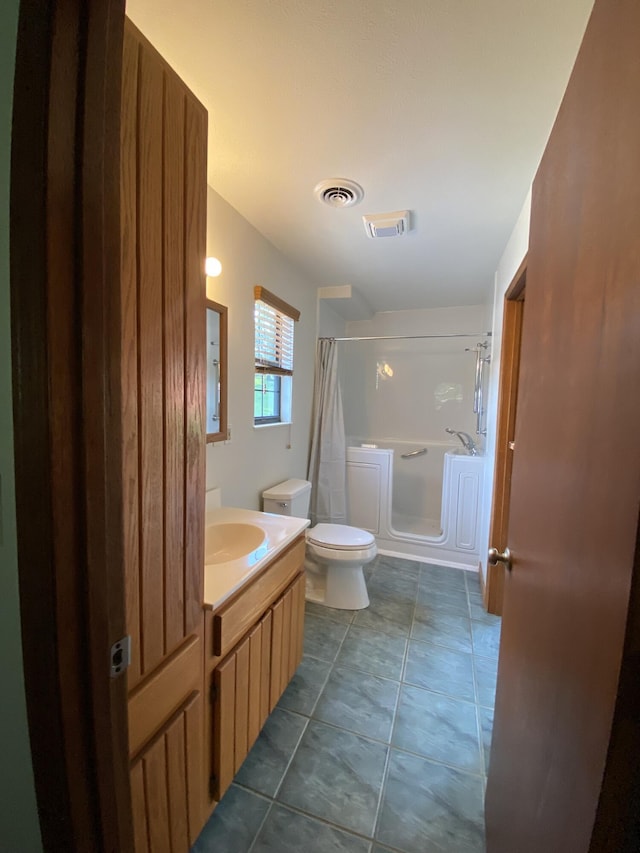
{"points": [[231, 540]]}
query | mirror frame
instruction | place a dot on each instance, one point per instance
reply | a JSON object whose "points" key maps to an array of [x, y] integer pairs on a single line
{"points": [[221, 310]]}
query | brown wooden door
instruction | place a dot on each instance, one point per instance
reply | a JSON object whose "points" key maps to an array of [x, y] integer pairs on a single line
{"points": [[559, 779], [513, 308], [163, 202]]}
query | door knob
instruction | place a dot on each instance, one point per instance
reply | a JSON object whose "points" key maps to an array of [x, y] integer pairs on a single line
{"points": [[496, 557]]}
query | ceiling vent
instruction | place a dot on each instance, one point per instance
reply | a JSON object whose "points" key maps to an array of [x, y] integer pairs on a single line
{"points": [[395, 224], [339, 192]]}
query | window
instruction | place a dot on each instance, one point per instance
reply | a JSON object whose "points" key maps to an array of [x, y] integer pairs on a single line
{"points": [[274, 321]]}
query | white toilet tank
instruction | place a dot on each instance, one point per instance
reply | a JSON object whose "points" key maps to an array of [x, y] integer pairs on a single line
{"points": [[288, 498]]}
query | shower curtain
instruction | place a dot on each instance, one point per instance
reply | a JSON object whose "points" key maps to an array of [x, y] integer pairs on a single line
{"points": [[327, 462]]}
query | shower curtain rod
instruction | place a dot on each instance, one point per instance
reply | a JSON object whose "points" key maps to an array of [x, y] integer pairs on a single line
{"points": [[406, 337]]}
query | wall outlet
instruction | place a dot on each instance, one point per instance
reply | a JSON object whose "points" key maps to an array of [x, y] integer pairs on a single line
{"points": [[228, 438]]}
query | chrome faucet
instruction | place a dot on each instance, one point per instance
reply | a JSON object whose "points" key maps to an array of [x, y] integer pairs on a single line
{"points": [[467, 442]]}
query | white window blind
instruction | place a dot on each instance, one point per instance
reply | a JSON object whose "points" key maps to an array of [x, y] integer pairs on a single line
{"points": [[274, 339]]}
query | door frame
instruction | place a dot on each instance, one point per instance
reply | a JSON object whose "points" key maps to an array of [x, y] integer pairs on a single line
{"points": [[65, 303], [513, 305]]}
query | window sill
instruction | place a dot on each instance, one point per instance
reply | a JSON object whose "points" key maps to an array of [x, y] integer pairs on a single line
{"points": [[270, 426]]}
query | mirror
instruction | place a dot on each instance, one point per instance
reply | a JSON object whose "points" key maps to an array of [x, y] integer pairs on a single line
{"points": [[216, 371]]}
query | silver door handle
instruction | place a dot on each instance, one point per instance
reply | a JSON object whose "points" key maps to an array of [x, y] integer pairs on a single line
{"points": [[496, 557], [420, 452]]}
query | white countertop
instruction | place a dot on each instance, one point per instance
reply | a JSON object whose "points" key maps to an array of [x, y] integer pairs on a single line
{"points": [[221, 580]]}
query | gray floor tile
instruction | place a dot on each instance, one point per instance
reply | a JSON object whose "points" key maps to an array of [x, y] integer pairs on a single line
{"points": [[394, 585], [265, 765], [285, 831], [429, 808], [485, 670], [441, 670], [312, 608], [445, 599], [486, 639], [387, 615], [337, 776], [438, 727], [373, 651], [486, 728], [442, 628], [360, 702], [322, 637], [397, 564], [478, 612], [302, 693], [444, 575], [473, 582], [234, 824]]}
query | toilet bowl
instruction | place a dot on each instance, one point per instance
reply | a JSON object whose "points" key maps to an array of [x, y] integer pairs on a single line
{"points": [[336, 553]]}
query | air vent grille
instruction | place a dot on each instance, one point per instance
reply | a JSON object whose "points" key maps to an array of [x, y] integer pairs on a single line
{"points": [[339, 192], [379, 225]]}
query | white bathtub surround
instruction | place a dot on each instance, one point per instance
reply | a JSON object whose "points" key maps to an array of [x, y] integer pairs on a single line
{"points": [[443, 522], [328, 445], [236, 554]]}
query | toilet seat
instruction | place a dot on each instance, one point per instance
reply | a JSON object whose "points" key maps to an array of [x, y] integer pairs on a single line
{"points": [[340, 537]]}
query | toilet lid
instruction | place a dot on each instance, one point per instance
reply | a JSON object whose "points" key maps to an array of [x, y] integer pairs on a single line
{"points": [[340, 536]]}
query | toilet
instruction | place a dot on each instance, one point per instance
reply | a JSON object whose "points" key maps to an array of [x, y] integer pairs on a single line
{"points": [[336, 553]]}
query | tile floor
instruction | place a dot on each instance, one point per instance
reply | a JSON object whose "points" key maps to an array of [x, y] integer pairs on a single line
{"points": [[381, 741]]}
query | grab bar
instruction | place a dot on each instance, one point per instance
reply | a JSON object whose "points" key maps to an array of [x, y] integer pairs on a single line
{"points": [[420, 452]]}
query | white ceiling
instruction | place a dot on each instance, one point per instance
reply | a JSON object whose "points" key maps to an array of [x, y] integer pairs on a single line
{"points": [[439, 106]]}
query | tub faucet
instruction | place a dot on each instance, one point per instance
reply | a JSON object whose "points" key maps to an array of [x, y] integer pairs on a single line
{"points": [[467, 442]]}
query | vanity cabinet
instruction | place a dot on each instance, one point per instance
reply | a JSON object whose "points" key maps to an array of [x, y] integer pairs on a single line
{"points": [[256, 644]]}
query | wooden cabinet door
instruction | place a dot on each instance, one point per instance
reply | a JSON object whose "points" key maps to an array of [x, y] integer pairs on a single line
{"points": [[248, 683], [163, 210]]}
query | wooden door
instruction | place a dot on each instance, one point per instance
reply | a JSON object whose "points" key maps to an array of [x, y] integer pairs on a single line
{"points": [[563, 775], [163, 209], [513, 312]]}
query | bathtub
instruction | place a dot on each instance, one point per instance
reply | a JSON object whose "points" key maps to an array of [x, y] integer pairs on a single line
{"points": [[426, 506]]}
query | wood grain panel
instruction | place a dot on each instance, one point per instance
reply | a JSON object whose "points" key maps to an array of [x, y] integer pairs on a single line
{"points": [[158, 696], [301, 615], [297, 624], [287, 616], [242, 703], [151, 385], [254, 722], [195, 355], [174, 359], [177, 783], [129, 325], [163, 188], [194, 760], [139, 808], [224, 725], [157, 802], [234, 620], [265, 669], [275, 690]]}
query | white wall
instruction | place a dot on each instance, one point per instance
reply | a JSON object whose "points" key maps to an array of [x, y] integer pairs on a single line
{"points": [[19, 827], [257, 458], [432, 383], [330, 323], [511, 259]]}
